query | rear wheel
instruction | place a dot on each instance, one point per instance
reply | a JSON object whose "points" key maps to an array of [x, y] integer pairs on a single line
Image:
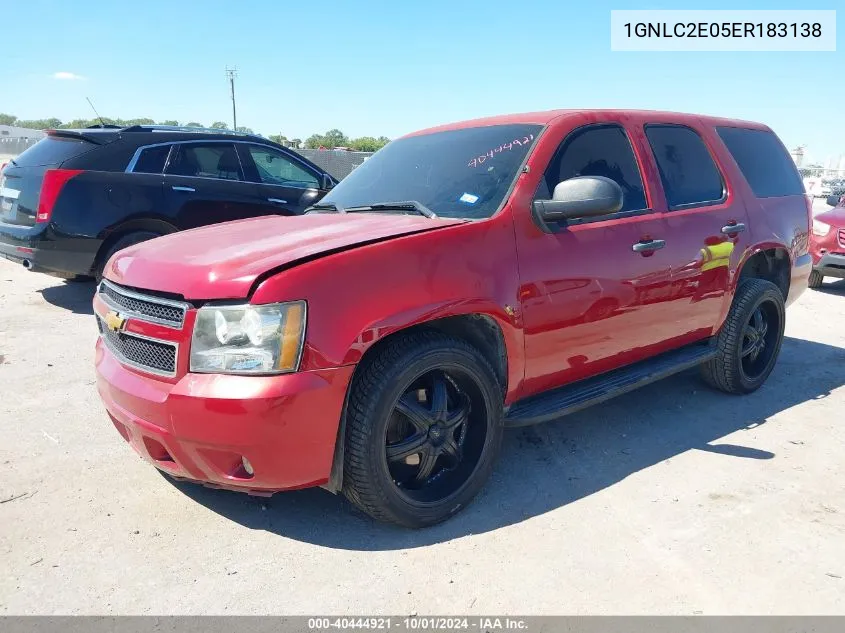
{"points": [[423, 427], [815, 280], [750, 339], [130, 239]]}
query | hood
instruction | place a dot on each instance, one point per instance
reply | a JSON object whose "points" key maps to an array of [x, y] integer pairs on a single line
{"points": [[222, 261], [835, 217]]}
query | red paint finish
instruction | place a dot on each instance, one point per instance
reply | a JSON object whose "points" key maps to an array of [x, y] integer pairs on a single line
{"points": [[834, 241], [284, 425], [223, 261], [569, 305]]}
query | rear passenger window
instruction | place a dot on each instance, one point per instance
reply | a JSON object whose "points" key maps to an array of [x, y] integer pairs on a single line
{"points": [[689, 175], [599, 150], [763, 161], [151, 160], [206, 160]]}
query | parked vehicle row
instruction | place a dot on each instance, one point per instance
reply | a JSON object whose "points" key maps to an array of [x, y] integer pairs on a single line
{"points": [[75, 198], [467, 278]]}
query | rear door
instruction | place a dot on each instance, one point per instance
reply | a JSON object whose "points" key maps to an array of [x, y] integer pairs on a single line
{"points": [[284, 185], [704, 222], [204, 183]]}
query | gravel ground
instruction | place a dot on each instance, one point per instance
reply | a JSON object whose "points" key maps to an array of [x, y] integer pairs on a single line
{"points": [[673, 499]]}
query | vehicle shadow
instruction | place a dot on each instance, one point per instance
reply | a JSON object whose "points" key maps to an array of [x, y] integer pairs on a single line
{"points": [[549, 466], [75, 296], [835, 288]]}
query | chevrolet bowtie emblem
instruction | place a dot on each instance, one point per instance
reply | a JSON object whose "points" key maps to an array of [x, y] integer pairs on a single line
{"points": [[115, 322]]}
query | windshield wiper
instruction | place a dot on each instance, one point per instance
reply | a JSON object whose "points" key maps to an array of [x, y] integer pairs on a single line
{"points": [[407, 205], [325, 206]]}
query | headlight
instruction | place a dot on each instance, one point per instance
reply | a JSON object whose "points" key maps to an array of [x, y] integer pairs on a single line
{"points": [[820, 228], [248, 339]]}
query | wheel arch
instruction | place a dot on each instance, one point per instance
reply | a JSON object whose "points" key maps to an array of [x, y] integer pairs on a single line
{"points": [[482, 331], [152, 224], [771, 262]]}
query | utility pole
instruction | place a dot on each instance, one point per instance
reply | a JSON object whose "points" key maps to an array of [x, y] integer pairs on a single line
{"points": [[231, 73]]}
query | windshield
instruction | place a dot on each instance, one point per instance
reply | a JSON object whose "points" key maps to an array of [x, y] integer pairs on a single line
{"points": [[462, 173]]}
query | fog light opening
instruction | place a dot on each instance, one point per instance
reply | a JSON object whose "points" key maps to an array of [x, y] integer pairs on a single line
{"points": [[247, 466]]}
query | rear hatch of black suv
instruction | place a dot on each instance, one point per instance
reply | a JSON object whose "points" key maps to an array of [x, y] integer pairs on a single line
{"points": [[30, 184], [20, 183]]}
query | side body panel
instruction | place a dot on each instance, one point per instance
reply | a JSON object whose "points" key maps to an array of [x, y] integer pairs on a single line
{"points": [[468, 268]]}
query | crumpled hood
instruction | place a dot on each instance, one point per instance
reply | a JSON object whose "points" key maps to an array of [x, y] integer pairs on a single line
{"points": [[223, 260]]}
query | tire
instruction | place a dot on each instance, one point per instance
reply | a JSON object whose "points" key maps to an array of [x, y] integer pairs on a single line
{"points": [[745, 358], [815, 280], [434, 375], [130, 239]]}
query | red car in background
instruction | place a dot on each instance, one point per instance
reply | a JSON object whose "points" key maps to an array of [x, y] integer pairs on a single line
{"points": [[827, 243]]}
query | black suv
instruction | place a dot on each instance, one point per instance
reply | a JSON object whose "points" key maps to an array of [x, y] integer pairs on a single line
{"points": [[78, 196]]}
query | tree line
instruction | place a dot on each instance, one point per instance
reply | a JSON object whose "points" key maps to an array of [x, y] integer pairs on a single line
{"points": [[330, 140]]}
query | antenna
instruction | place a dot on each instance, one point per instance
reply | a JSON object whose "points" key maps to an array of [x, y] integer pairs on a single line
{"points": [[231, 73], [102, 123]]}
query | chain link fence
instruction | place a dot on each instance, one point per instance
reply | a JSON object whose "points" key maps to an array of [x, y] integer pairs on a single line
{"points": [[338, 163]]}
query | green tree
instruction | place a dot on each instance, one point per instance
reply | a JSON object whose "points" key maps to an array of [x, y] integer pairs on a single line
{"points": [[335, 138], [170, 122], [7, 119], [40, 124], [245, 130], [219, 125], [368, 143], [279, 138], [193, 124], [332, 138], [296, 142]]}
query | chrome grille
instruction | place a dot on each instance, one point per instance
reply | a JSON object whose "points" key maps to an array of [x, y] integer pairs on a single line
{"points": [[144, 307], [157, 357]]}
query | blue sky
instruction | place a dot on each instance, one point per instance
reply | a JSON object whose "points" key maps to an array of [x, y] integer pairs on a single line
{"points": [[373, 68]]}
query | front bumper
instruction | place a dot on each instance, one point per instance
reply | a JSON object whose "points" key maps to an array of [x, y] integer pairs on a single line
{"points": [[831, 265], [201, 426]]}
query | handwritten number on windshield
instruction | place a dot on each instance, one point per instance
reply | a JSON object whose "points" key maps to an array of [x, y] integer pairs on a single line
{"points": [[479, 160]]}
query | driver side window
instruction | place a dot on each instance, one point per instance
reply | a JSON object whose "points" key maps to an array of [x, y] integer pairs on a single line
{"points": [[597, 150]]}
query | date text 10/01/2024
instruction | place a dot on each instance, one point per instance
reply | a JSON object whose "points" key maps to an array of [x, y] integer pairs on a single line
{"points": [[418, 623], [723, 29]]}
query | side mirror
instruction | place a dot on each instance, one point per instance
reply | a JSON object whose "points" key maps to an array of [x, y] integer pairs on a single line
{"points": [[833, 200], [327, 182], [579, 197]]}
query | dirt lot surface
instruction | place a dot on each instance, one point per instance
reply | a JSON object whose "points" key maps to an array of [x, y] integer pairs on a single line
{"points": [[673, 499]]}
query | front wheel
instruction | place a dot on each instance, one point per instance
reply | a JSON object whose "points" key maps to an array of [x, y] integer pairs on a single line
{"points": [[750, 339], [815, 280], [423, 427]]}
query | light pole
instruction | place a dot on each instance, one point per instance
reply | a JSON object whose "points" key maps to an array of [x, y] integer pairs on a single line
{"points": [[231, 73]]}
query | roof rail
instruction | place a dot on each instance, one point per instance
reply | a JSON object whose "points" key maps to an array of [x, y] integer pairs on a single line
{"points": [[182, 128]]}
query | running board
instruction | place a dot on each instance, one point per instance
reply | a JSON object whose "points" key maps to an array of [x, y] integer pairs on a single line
{"points": [[584, 393]]}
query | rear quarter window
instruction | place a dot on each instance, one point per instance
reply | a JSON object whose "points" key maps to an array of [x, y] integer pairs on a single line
{"points": [[763, 161], [53, 150], [151, 160]]}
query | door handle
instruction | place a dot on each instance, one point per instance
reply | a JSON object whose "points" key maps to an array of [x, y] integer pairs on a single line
{"points": [[277, 200], [649, 246], [188, 189], [731, 229]]}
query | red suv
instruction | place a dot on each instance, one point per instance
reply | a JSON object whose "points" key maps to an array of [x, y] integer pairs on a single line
{"points": [[827, 242], [467, 278]]}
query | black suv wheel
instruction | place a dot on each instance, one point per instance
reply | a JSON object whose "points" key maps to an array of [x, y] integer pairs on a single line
{"points": [[750, 339], [423, 427]]}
